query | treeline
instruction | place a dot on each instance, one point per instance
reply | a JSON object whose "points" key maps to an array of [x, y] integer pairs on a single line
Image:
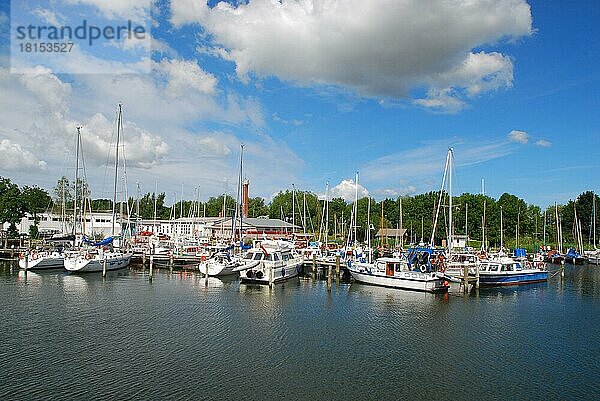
{"points": [[477, 216]]}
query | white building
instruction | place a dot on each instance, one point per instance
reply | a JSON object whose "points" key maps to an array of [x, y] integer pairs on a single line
{"points": [[95, 225]]}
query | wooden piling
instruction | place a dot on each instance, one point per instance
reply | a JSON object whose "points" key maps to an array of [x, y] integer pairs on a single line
{"points": [[151, 267], [314, 262], [144, 260], [171, 261], [477, 276], [271, 277], [562, 269], [466, 279], [337, 266], [329, 276], [104, 266]]}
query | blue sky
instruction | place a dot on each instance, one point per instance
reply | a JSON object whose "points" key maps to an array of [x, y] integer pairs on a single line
{"points": [[320, 89]]}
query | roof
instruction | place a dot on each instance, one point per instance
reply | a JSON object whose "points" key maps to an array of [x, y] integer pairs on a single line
{"points": [[391, 232]]}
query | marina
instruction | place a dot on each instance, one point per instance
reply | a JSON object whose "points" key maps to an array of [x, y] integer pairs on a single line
{"points": [[182, 336]]}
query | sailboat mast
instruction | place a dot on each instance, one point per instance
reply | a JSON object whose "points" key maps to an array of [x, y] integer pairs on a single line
{"points": [[451, 228], [76, 179], [304, 213], [293, 208], [594, 218], [355, 206], [501, 231], [369, 230], [241, 192], [326, 213], [400, 232], [114, 209]]}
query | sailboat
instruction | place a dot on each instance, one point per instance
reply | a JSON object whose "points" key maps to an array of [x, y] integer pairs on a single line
{"points": [[222, 263], [415, 273], [102, 256], [594, 255]]}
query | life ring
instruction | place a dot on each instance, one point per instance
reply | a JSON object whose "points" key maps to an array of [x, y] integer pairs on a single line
{"points": [[88, 256], [34, 255], [21, 255], [203, 258], [528, 265], [432, 261], [423, 268]]}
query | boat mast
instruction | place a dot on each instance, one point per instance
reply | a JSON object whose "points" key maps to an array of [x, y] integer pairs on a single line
{"points": [[114, 209], [304, 213], [467, 225], [78, 142], [501, 232], [154, 231], [240, 192], [437, 210], [355, 207], [594, 219], [326, 213], [544, 228], [400, 232], [293, 208], [451, 224], [369, 230]]}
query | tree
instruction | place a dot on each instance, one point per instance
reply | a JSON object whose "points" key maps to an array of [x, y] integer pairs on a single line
{"points": [[35, 200], [257, 207], [11, 204]]}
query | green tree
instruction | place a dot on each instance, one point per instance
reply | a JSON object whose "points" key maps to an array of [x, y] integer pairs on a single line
{"points": [[11, 204]]}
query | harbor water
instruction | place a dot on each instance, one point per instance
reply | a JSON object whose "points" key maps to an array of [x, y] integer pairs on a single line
{"points": [[67, 336]]}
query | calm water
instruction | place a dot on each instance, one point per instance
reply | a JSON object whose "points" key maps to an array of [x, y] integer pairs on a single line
{"points": [[78, 337]]}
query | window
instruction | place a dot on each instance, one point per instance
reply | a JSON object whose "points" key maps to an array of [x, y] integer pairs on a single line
{"points": [[257, 256], [493, 268]]}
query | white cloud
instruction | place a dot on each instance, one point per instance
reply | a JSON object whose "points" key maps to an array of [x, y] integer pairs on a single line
{"points": [[375, 49], [14, 158], [518, 136], [186, 75], [543, 143], [136, 10], [48, 16], [346, 190]]}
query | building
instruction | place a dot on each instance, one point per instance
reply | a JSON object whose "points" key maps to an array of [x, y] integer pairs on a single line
{"points": [[255, 227], [95, 225], [184, 226]]}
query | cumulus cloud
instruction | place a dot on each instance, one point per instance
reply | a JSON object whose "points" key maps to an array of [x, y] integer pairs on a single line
{"points": [[375, 49], [136, 10], [186, 75], [543, 143], [346, 190], [518, 136], [14, 158]]}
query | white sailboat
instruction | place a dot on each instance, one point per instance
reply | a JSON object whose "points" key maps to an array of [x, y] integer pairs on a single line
{"points": [[593, 255], [222, 263], [102, 256]]}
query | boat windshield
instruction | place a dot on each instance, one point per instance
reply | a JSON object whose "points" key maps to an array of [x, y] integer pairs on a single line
{"points": [[258, 256], [493, 268]]}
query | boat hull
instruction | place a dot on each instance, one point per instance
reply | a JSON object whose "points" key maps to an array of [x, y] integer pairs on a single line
{"points": [[80, 264], [43, 263], [413, 281], [512, 279], [280, 273]]}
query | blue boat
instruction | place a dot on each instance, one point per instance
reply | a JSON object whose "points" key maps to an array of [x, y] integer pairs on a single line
{"points": [[575, 258], [507, 271]]}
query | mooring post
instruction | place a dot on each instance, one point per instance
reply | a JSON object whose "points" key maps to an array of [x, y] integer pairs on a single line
{"points": [[26, 255], [466, 278], [329, 276], [477, 276], [171, 260], [337, 266], [314, 262], [104, 266], [151, 267], [562, 269], [271, 277], [144, 259]]}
